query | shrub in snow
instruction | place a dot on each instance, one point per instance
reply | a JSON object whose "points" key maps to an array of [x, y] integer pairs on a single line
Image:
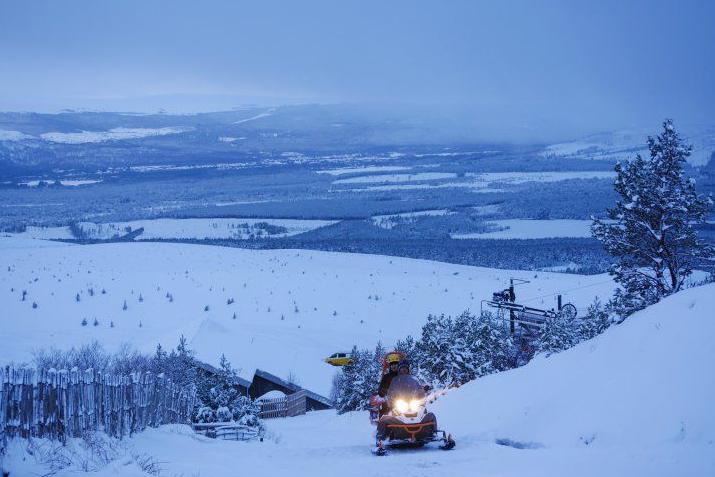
{"points": [[124, 307], [86, 356], [224, 414], [206, 308], [96, 322], [84, 321], [229, 301], [76, 297], [141, 298], [651, 231], [34, 305], [205, 415]]}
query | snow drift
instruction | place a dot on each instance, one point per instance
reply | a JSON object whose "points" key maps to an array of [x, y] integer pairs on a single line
{"points": [[647, 382]]}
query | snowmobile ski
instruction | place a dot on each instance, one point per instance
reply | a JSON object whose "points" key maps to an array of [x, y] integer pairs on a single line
{"points": [[449, 443], [379, 449]]}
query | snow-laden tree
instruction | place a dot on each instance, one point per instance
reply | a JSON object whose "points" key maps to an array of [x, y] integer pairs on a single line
{"points": [[594, 322], [358, 381], [492, 345], [557, 334], [180, 365], [221, 400], [650, 231], [445, 351]]}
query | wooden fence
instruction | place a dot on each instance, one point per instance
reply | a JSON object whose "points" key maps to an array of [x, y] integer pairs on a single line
{"points": [[291, 405], [228, 431], [61, 404]]}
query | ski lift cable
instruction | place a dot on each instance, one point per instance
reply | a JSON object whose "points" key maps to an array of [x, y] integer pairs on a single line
{"points": [[562, 292]]}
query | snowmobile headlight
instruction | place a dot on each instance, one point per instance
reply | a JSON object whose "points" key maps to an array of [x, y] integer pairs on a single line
{"points": [[402, 406], [415, 405]]}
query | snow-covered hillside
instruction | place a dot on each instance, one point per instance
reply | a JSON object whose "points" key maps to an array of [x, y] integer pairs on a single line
{"points": [[625, 144], [292, 307], [636, 400]]}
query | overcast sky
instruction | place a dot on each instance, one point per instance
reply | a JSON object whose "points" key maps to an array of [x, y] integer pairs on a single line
{"points": [[620, 61]]}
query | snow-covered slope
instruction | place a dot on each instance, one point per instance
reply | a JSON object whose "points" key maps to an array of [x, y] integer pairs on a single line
{"points": [[647, 382], [292, 307], [636, 400], [625, 144]]}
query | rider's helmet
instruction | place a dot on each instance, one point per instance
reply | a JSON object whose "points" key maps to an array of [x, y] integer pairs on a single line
{"points": [[390, 358]]}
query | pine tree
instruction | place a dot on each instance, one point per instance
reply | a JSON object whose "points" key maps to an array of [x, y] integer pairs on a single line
{"points": [[595, 322], [181, 366], [556, 335], [446, 355], [493, 348], [358, 382], [651, 230]]}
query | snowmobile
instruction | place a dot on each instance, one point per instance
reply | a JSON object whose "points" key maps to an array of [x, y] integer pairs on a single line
{"points": [[407, 422]]}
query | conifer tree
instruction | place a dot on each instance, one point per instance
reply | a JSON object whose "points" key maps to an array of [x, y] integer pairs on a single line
{"points": [[651, 230], [556, 335], [595, 322], [492, 346]]}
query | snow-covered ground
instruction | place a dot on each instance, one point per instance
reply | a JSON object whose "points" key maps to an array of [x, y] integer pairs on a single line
{"points": [[7, 135], [293, 307], [265, 114], [214, 228], [64, 182], [533, 229], [625, 144], [634, 401], [114, 134]]}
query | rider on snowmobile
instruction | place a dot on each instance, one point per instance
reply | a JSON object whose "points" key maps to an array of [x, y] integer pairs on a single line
{"points": [[408, 422], [403, 380], [389, 371], [389, 364]]}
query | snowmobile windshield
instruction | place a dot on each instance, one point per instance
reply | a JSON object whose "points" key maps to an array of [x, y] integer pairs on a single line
{"points": [[404, 386]]}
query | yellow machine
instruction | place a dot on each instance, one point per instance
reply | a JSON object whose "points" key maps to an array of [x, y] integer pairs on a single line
{"points": [[339, 359]]}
